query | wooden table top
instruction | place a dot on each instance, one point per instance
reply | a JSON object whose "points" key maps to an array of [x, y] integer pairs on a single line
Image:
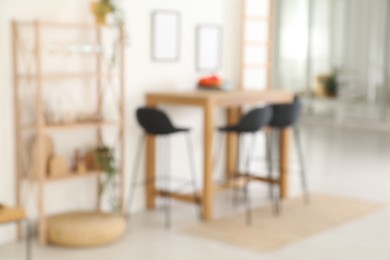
{"points": [[8, 215], [220, 98]]}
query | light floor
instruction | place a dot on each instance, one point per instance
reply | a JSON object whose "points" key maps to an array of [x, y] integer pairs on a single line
{"points": [[342, 162]]}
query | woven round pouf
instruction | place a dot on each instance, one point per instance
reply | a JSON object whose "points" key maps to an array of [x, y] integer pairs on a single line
{"points": [[85, 229]]}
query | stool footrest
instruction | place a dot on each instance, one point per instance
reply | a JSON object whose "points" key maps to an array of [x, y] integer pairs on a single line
{"points": [[189, 198], [259, 178]]}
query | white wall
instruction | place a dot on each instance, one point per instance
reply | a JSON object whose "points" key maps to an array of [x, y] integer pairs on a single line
{"points": [[142, 75]]}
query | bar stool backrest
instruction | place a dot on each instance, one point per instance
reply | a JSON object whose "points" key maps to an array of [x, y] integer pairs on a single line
{"points": [[286, 115], [255, 119], [154, 121]]}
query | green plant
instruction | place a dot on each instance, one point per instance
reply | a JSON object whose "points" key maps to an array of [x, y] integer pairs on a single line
{"points": [[108, 4], [331, 83], [106, 163], [102, 8], [110, 7]]}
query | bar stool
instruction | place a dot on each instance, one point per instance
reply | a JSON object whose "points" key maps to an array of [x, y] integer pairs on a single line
{"points": [[286, 116], [156, 123], [250, 124]]}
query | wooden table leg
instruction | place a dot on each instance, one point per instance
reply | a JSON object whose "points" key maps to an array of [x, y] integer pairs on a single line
{"points": [[233, 115], [208, 185], [284, 160], [150, 164]]}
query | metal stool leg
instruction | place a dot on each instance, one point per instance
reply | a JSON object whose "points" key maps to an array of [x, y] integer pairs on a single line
{"points": [[302, 165], [277, 186], [219, 151], [274, 198], [238, 163], [28, 240], [191, 158], [168, 209], [247, 181], [269, 158], [136, 171]]}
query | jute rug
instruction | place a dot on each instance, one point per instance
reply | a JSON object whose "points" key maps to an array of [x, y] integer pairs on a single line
{"points": [[296, 222]]}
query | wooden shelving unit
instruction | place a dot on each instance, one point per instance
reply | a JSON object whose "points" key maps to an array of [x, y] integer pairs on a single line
{"points": [[36, 77]]}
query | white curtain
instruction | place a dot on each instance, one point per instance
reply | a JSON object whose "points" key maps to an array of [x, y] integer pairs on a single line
{"points": [[364, 47], [292, 49], [348, 35]]}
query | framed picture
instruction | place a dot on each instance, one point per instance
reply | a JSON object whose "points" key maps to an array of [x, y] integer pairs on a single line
{"points": [[209, 48], [165, 36]]}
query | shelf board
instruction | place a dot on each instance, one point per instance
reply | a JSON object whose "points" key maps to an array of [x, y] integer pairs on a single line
{"points": [[69, 176], [74, 125], [66, 25], [57, 76], [8, 214], [75, 25], [72, 176]]}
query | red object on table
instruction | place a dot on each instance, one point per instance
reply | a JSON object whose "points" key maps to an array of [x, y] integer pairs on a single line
{"points": [[211, 81]]}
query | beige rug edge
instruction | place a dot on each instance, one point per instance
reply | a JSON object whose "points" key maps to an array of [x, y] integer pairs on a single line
{"points": [[278, 232]]}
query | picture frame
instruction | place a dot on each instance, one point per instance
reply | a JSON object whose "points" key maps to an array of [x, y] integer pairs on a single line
{"points": [[208, 47], [165, 38]]}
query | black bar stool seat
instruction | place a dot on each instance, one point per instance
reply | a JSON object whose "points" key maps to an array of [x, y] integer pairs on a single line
{"points": [[252, 122], [286, 115], [156, 122]]}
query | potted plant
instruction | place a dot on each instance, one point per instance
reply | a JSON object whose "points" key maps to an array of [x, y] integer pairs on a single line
{"points": [[101, 9], [106, 163], [331, 83]]}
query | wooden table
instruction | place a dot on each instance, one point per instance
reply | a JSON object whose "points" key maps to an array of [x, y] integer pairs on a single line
{"points": [[232, 101]]}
